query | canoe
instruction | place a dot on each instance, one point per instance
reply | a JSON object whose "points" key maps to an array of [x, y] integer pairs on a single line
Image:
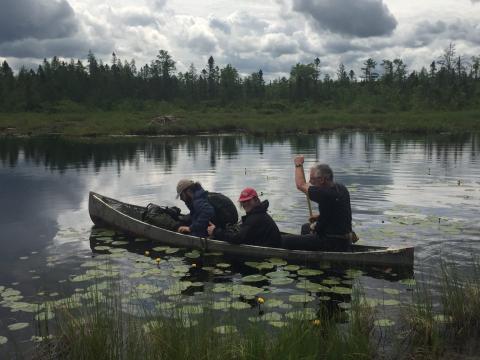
{"points": [[126, 218]]}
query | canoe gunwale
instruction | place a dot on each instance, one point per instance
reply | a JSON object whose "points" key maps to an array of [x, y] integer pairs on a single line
{"points": [[101, 212]]}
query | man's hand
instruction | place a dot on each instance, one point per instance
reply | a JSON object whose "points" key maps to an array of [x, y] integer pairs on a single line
{"points": [[314, 218], [210, 229], [184, 230], [299, 160]]}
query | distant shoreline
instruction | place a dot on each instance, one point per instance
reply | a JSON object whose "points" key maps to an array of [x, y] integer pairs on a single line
{"points": [[245, 121]]}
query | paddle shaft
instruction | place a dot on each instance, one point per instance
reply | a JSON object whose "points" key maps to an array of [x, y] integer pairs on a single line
{"points": [[309, 203]]}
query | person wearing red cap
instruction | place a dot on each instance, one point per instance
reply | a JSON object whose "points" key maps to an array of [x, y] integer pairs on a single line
{"points": [[257, 227]]}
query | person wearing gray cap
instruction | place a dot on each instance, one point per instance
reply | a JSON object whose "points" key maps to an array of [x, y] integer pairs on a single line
{"points": [[201, 211]]}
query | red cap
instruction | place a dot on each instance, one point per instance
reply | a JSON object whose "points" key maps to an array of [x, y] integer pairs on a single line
{"points": [[247, 194]]}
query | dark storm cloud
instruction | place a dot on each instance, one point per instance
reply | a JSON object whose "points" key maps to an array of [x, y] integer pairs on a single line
{"points": [[357, 18], [48, 19], [66, 47]]}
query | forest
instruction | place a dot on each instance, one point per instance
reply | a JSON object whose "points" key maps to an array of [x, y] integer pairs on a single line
{"points": [[450, 82]]}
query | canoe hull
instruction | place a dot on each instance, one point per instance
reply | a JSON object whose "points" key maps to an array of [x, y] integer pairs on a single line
{"points": [[110, 212]]}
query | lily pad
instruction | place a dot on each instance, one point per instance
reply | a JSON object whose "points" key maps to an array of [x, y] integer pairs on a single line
{"points": [[278, 274], [18, 326], [278, 324], [291, 267], [225, 329], [324, 298], [384, 322], [3, 340], [390, 302], [271, 303], [305, 314], [281, 281], [341, 290], [408, 282], [300, 298], [102, 248], [223, 265], [253, 278], [171, 250], [260, 265], [277, 261], [161, 248], [331, 282], [193, 254], [192, 309], [240, 305], [120, 242], [391, 291], [309, 272]]}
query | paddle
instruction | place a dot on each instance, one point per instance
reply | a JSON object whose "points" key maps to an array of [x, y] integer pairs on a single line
{"points": [[309, 203]]}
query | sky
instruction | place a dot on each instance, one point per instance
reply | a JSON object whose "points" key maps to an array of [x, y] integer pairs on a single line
{"points": [[271, 35]]}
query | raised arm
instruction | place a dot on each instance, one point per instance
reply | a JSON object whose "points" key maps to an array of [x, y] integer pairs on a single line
{"points": [[300, 181]]}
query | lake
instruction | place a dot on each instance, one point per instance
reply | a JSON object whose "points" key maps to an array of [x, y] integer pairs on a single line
{"points": [[405, 189]]}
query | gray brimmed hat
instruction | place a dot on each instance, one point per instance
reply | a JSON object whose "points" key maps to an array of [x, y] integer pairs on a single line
{"points": [[183, 185]]}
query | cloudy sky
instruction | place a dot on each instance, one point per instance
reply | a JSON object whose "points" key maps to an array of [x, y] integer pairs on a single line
{"points": [[271, 35]]}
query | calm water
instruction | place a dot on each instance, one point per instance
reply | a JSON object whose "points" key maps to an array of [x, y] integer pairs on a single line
{"points": [[404, 190]]}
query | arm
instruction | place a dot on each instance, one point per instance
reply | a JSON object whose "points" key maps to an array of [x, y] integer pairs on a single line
{"points": [[300, 181], [239, 237], [206, 212]]}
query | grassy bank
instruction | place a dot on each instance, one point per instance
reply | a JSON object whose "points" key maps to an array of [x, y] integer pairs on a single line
{"points": [[103, 324], [169, 120]]}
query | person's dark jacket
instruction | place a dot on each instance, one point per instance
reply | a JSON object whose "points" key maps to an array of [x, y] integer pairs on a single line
{"points": [[257, 228], [201, 213]]}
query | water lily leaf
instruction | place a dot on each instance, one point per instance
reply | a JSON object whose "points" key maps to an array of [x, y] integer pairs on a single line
{"points": [[192, 309], [260, 265], [271, 303], [223, 265], [324, 298], [344, 305], [44, 315], [271, 316], [193, 254], [391, 291], [291, 267], [240, 305], [10, 293], [341, 290], [390, 302], [136, 275], [18, 326], [120, 242], [213, 254], [300, 298], [305, 314], [312, 286], [278, 324], [277, 261], [281, 281], [225, 329], [277, 274], [102, 248], [253, 278], [171, 250], [384, 322], [3, 340], [161, 248], [148, 288], [353, 274], [309, 272], [245, 290], [408, 282]]}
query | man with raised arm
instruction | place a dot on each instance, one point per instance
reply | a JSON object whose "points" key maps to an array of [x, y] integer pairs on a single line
{"points": [[333, 228]]}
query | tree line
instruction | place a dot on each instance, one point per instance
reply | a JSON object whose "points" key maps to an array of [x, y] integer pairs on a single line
{"points": [[450, 82]]}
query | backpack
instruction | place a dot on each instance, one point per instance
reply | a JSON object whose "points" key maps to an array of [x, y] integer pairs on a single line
{"points": [[225, 210], [162, 216]]}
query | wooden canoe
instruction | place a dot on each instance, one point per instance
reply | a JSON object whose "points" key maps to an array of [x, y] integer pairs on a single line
{"points": [[126, 218]]}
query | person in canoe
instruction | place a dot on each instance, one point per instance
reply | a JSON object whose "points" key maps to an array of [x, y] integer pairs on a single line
{"points": [[256, 228], [205, 207], [332, 227]]}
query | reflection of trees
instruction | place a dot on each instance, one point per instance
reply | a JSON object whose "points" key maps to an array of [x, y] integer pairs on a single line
{"points": [[60, 153]]}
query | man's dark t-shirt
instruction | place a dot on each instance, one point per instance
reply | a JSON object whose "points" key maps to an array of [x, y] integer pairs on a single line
{"points": [[334, 207]]}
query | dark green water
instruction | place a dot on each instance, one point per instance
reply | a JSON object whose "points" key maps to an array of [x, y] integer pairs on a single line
{"points": [[404, 190]]}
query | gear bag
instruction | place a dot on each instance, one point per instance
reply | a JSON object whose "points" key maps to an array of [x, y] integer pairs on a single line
{"points": [[162, 216], [225, 210]]}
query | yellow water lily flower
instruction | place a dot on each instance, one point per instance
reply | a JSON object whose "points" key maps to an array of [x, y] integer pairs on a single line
{"points": [[157, 260], [147, 253], [316, 322], [194, 265], [261, 300]]}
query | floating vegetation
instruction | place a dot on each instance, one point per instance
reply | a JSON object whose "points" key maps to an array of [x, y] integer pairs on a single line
{"points": [[3, 340], [18, 326], [291, 267], [281, 281], [305, 314], [391, 291], [312, 286], [223, 265], [120, 243], [408, 282], [341, 290], [194, 254], [254, 278], [278, 274], [225, 329], [161, 248], [260, 265], [277, 261], [384, 322], [309, 272], [300, 298]]}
